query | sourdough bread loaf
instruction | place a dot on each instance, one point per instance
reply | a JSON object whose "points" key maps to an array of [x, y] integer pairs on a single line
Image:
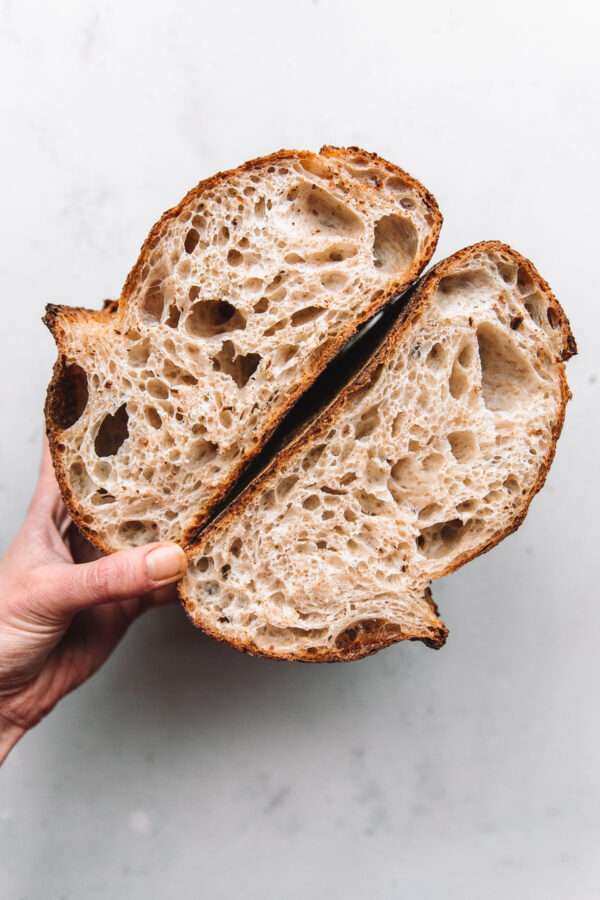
{"points": [[241, 295], [429, 457]]}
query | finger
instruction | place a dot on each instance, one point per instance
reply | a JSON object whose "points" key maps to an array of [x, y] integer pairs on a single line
{"points": [[68, 589], [39, 540], [46, 498]]}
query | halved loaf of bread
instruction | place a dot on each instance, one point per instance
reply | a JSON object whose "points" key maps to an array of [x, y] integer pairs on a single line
{"points": [[429, 457], [240, 297]]}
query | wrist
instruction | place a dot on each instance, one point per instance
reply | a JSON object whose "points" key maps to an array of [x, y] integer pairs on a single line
{"points": [[10, 733]]}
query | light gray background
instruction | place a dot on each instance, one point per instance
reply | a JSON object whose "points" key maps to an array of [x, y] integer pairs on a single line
{"points": [[184, 769]]}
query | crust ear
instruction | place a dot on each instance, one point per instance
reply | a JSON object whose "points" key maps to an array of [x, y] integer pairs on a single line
{"points": [[53, 317]]}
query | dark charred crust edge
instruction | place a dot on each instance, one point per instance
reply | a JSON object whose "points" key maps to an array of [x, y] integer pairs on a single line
{"points": [[419, 300], [56, 314]]}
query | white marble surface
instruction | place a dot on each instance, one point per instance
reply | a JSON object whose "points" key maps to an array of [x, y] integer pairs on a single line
{"points": [[184, 769]]}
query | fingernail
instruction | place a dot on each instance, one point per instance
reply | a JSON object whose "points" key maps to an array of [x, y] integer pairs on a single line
{"points": [[166, 563]]}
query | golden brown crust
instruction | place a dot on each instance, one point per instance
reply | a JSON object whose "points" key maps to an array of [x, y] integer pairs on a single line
{"points": [[417, 302], [366, 640], [355, 153], [53, 318], [208, 184], [54, 315]]}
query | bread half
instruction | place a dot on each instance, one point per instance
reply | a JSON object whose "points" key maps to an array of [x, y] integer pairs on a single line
{"points": [[428, 458], [240, 297]]}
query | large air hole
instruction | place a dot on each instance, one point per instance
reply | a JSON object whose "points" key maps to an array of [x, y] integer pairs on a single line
{"points": [[177, 375], [372, 175], [80, 480], [397, 185], [102, 498], [174, 316], [286, 485], [152, 417], [315, 166], [157, 388], [312, 457], [284, 354], [208, 318], [235, 258], [69, 396], [463, 286], [436, 357], [459, 382], [139, 354], [445, 537], [314, 208], [311, 502], [308, 314], [113, 432], [367, 423], [466, 356], [241, 367], [370, 504], [433, 462], [463, 446], [536, 307], [191, 240], [277, 326], [525, 282], [333, 254], [430, 511], [225, 417], [507, 271], [333, 281], [505, 376], [153, 303], [102, 470], [404, 471], [202, 451], [395, 244], [138, 532], [512, 484]]}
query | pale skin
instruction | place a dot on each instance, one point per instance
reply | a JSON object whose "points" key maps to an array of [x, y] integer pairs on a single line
{"points": [[64, 607]]}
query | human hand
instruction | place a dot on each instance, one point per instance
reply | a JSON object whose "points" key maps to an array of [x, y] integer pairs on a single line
{"points": [[59, 620]]}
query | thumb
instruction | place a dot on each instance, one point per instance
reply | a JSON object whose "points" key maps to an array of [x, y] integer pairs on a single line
{"points": [[67, 589]]}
